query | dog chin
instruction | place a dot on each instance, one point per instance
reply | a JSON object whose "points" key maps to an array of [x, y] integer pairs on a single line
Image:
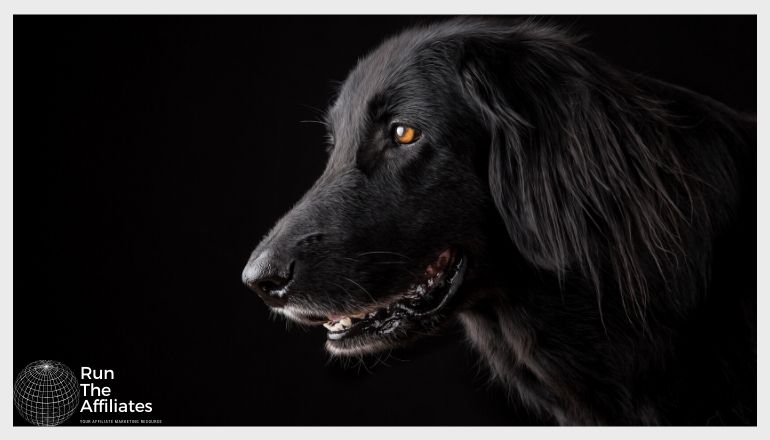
{"points": [[359, 348], [343, 348]]}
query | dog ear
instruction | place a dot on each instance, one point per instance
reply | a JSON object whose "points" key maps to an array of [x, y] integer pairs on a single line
{"points": [[581, 169]]}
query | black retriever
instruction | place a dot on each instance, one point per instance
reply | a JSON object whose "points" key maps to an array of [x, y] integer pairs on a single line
{"points": [[593, 230]]}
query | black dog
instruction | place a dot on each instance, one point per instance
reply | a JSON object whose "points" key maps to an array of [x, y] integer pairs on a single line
{"points": [[592, 229]]}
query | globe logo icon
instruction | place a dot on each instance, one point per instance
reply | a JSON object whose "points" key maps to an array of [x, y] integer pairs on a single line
{"points": [[46, 393]]}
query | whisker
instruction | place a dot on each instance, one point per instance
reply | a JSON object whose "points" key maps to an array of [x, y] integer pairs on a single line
{"points": [[344, 290], [318, 112], [312, 121], [384, 253], [362, 288]]}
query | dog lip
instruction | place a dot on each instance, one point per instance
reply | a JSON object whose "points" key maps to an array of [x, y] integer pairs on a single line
{"points": [[449, 279], [455, 280], [301, 316]]}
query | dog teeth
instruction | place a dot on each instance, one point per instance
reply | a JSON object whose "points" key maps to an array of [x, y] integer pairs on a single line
{"points": [[334, 326], [337, 326]]}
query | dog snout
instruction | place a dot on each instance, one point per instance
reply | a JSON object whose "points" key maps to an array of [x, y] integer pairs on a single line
{"points": [[269, 275]]}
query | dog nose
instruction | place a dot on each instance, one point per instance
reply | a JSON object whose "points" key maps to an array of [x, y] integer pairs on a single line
{"points": [[269, 276]]}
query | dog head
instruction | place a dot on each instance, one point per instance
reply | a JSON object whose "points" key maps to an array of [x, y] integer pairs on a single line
{"points": [[455, 149]]}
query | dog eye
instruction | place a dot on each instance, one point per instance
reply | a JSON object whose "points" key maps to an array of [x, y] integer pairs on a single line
{"points": [[404, 134]]}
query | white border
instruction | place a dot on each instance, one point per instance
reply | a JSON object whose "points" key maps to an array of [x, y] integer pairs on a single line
{"points": [[406, 7], [410, 7]]}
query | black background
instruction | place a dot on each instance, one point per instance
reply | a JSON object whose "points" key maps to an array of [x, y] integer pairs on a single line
{"points": [[152, 153]]}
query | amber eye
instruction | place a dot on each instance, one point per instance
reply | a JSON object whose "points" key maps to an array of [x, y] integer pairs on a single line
{"points": [[403, 134]]}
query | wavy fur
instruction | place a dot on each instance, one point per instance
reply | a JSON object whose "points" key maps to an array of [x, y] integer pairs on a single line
{"points": [[608, 220]]}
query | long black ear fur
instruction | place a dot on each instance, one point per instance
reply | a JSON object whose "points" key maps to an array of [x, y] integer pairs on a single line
{"points": [[589, 171]]}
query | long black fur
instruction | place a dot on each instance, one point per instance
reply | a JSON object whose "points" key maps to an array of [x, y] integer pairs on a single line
{"points": [[609, 219]]}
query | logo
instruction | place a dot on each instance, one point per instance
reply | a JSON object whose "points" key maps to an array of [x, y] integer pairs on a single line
{"points": [[46, 393]]}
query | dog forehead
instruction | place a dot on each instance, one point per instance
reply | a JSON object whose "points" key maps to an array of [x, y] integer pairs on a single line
{"points": [[415, 50], [384, 65], [376, 73], [391, 67]]}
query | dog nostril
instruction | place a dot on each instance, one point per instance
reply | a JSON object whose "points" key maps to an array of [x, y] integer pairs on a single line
{"points": [[270, 279], [273, 285]]}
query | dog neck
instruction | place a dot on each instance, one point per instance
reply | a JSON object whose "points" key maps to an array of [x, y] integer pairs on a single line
{"points": [[506, 343], [518, 343]]}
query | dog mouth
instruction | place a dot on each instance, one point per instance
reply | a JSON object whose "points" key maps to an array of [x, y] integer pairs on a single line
{"points": [[420, 305]]}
